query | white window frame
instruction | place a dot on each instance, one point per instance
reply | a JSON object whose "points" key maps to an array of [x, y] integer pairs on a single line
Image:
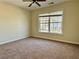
{"points": [[49, 25]]}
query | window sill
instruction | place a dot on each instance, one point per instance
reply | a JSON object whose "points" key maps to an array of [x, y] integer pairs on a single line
{"points": [[51, 33]]}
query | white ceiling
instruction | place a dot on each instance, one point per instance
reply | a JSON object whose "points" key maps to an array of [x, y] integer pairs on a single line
{"points": [[22, 4]]}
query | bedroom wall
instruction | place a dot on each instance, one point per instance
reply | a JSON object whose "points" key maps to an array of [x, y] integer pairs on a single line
{"points": [[14, 23], [70, 22]]}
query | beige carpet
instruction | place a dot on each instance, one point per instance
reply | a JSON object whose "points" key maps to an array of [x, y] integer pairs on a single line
{"points": [[32, 48]]}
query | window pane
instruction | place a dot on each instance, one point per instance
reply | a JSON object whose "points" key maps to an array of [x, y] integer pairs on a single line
{"points": [[55, 28], [56, 24], [43, 26], [56, 19], [43, 19]]}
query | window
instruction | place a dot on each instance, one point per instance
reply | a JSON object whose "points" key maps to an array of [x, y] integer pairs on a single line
{"points": [[51, 22]]}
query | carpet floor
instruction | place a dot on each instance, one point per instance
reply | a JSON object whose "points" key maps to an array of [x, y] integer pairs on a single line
{"points": [[32, 48]]}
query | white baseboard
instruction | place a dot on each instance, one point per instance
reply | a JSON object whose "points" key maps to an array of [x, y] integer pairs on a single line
{"points": [[65, 41], [10, 41]]}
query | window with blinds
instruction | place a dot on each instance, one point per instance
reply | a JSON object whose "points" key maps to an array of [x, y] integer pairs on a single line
{"points": [[51, 22]]}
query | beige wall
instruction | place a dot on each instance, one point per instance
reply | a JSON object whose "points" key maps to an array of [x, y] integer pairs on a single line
{"points": [[70, 22], [14, 23]]}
